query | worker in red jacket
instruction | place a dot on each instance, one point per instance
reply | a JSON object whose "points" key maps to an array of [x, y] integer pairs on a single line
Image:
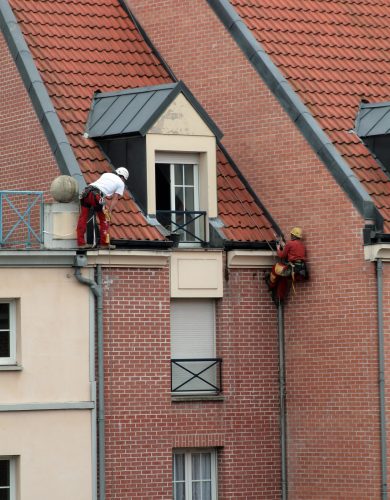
{"points": [[294, 250], [291, 268]]}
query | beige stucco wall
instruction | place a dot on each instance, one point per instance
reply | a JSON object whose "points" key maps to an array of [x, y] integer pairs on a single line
{"points": [[53, 453], [52, 336], [181, 129], [196, 274]]}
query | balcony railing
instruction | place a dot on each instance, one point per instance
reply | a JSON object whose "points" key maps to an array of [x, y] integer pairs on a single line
{"points": [[189, 226], [196, 375], [21, 219]]}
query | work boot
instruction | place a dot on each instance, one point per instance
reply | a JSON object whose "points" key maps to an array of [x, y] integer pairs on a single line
{"points": [[107, 247], [85, 246]]}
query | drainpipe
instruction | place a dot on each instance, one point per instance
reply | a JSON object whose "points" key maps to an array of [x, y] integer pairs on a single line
{"points": [[97, 290], [382, 401], [282, 398]]}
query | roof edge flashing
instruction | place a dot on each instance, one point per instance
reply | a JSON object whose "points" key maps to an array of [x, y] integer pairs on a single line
{"points": [[38, 94], [296, 109]]}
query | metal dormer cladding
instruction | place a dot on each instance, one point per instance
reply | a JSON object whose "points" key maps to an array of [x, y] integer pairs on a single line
{"points": [[373, 127], [133, 111], [373, 119]]}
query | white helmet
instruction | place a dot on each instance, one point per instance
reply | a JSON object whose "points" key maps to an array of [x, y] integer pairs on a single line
{"points": [[123, 172]]}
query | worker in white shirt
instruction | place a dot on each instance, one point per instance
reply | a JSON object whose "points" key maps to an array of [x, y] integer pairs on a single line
{"points": [[94, 196]]}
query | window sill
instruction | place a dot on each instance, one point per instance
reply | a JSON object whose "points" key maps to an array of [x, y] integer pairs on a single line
{"points": [[11, 368], [176, 398]]}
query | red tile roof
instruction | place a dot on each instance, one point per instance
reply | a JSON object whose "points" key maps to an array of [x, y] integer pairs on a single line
{"points": [[333, 53], [81, 46]]}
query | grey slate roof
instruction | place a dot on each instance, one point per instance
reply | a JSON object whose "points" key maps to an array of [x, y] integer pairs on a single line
{"points": [[134, 111], [373, 119]]}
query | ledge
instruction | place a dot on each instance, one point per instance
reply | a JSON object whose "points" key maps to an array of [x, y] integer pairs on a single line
{"points": [[262, 259], [50, 406], [11, 368], [37, 258], [128, 258], [378, 251], [201, 397]]}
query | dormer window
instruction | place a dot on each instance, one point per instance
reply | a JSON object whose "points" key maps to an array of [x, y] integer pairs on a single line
{"points": [[168, 143]]}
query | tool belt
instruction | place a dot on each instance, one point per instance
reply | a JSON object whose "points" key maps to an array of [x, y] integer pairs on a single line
{"points": [[94, 190], [92, 197], [299, 270]]}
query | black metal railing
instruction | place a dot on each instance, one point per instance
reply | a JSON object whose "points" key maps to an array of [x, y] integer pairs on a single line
{"points": [[196, 375], [190, 226]]}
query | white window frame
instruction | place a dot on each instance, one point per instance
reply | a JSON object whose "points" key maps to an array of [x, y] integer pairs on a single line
{"points": [[12, 476], [11, 360], [171, 160], [188, 453]]}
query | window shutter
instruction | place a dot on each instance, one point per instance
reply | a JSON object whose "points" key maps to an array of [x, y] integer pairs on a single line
{"points": [[192, 329]]}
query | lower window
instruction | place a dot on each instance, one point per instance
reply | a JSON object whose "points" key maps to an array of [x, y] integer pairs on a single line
{"points": [[7, 333], [194, 474], [7, 478]]}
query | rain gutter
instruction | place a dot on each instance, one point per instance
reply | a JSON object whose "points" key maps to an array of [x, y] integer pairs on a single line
{"points": [[382, 397], [97, 290], [282, 404], [38, 94], [297, 111]]}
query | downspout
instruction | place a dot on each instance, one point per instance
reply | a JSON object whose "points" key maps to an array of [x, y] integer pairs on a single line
{"points": [[282, 401], [97, 290], [382, 400]]}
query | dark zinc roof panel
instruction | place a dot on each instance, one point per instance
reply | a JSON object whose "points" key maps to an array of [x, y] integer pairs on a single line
{"points": [[126, 112], [373, 119]]}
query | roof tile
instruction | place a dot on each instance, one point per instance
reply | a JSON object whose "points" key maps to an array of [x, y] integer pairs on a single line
{"points": [[333, 53]]}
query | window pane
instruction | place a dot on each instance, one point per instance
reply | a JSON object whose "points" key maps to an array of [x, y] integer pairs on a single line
{"points": [[5, 494], [179, 199], [178, 175], [197, 491], [189, 175], [206, 491], [196, 466], [179, 491], [206, 466], [190, 199], [4, 473], [178, 467], [4, 316], [163, 187], [4, 345]]}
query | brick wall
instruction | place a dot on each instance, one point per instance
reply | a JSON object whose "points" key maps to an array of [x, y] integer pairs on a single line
{"points": [[143, 423], [331, 351], [26, 161]]}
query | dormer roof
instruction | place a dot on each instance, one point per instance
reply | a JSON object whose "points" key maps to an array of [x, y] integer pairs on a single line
{"points": [[134, 111]]}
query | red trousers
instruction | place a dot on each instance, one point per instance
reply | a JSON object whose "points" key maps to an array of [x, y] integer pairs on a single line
{"points": [[92, 201]]}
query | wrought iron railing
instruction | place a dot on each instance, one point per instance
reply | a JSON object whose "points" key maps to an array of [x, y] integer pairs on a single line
{"points": [[190, 226], [21, 219], [196, 375]]}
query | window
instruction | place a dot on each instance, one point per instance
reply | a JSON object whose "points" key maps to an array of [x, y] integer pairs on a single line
{"points": [[7, 332], [177, 197], [194, 367], [7, 478], [194, 475]]}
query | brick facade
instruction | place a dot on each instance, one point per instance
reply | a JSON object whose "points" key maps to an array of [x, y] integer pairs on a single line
{"points": [[331, 324], [144, 424], [26, 161]]}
